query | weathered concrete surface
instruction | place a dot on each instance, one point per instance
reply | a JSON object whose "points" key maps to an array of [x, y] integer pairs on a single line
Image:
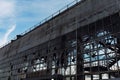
{"points": [[82, 13]]}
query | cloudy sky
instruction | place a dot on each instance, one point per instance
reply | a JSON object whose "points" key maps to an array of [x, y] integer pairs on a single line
{"points": [[16, 16]]}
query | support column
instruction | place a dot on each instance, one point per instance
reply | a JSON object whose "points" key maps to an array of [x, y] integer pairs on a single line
{"points": [[80, 67]]}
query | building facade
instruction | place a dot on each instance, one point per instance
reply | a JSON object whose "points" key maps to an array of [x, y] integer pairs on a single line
{"points": [[80, 43]]}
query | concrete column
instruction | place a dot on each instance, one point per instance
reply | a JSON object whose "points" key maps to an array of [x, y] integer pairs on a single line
{"points": [[80, 70]]}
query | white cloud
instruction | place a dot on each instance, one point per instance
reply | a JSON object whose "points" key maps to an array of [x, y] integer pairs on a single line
{"points": [[6, 35], [7, 15], [6, 8]]}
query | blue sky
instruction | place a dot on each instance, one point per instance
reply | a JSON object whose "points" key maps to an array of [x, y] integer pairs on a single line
{"points": [[16, 16]]}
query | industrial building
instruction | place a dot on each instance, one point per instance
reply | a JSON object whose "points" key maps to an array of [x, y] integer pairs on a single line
{"points": [[79, 42]]}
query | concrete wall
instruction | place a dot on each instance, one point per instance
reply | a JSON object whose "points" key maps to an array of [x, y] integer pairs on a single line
{"points": [[82, 13]]}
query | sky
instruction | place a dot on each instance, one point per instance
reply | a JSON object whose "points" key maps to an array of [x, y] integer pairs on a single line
{"points": [[17, 16]]}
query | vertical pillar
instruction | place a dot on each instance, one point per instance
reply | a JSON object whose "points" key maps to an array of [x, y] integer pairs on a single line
{"points": [[100, 75], [80, 67], [91, 77]]}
